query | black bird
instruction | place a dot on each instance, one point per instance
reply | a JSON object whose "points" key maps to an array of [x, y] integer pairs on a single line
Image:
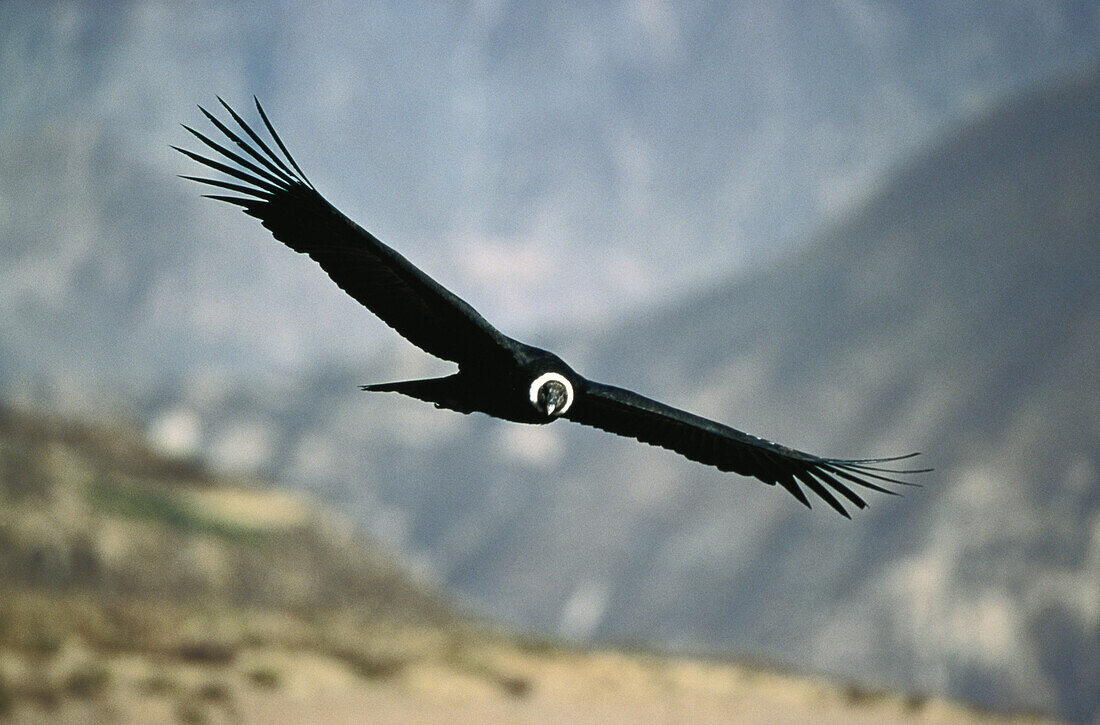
{"points": [[496, 375]]}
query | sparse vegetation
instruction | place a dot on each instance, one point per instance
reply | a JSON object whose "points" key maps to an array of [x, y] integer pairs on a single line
{"points": [[915, 702], [213, 691], [6, 696], [515, 686], [156, 592], [265, 677], [538, 645], [159, 684], [371, 667], [88, 680], [190, 713], [862, 696], [165, 507], [206, 652], [45, 640], [42, 695]]}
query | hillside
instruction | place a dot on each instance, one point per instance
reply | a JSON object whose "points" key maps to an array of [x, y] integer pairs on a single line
{"points": [[94, 509], [141, 588]]}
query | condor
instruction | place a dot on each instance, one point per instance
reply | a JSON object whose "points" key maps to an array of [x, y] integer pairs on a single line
{"points": [[497, 375]]}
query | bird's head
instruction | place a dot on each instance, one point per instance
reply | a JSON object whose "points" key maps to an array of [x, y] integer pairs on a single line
{"points": [[551, 394]]}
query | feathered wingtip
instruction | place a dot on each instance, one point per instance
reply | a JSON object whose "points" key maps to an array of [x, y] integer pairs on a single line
{"points": [[832, 479], [859, 471], [873, 468], [264, 172]]}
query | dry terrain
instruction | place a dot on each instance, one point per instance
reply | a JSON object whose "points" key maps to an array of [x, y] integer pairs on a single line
{"points": [[136, 588]]}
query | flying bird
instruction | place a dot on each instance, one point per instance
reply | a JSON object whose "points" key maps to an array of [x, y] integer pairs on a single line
{"points": [[497, 375]]}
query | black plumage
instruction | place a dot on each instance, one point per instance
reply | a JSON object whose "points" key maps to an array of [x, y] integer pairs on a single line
{"points": [[497, 375]]}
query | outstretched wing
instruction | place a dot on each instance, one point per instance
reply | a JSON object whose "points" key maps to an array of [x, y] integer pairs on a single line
{"points": [[275, 191], [628, 414]]}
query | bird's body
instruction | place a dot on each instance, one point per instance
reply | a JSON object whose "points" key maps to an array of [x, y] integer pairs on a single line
{"points": [[500, 388], [497, 375]]}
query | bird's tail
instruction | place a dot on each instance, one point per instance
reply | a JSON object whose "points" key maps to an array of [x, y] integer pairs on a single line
{"points": [[449, 392]]}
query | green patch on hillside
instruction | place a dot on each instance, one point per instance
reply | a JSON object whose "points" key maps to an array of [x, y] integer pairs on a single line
{"points": [[167, 508]]}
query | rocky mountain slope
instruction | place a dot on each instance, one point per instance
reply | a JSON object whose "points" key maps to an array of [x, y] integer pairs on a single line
{"points": [[957, 314]]}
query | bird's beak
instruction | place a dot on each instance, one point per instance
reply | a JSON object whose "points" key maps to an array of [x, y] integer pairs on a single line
{"points": [[551, 407]]}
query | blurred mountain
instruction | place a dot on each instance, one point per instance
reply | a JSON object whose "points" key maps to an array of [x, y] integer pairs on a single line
{"points": [[953, 312], [485, 140], [956, 313]]}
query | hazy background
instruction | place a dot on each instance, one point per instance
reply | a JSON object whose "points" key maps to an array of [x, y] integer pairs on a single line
{"points": [[857, 227]]}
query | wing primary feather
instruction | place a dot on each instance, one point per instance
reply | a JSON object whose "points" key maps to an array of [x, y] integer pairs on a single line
{"points": [[879, 469], [837, 486], [878, 477], [791, 486], [828, 479], [256, 137], [226, 169], [258, 193], [814, 485], [279, 141], [801, 474], [236, 157], [239, 201], [248, 149], [855, 479], [888, 459], [260, 175]]}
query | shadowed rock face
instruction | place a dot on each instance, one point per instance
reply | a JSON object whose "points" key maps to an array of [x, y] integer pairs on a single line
{"points": [[955, 314]]}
